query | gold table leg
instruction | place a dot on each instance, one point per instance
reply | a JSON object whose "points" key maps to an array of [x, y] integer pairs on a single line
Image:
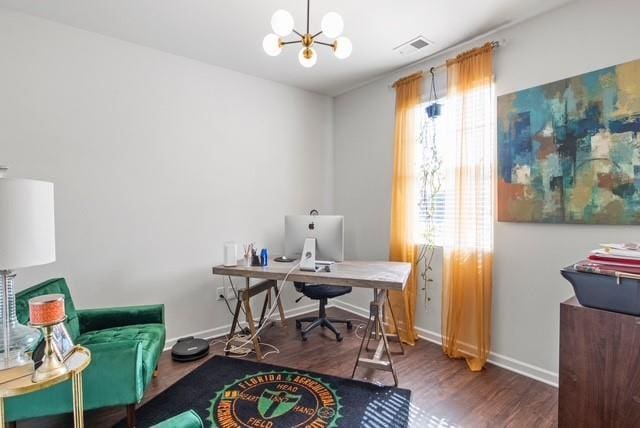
{"points": [[76, 384]]}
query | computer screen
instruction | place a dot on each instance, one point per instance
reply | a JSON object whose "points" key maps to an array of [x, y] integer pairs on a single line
{"points": [[328, 231]]}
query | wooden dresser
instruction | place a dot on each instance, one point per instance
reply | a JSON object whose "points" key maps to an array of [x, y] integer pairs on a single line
{"points": [[599, 383]]}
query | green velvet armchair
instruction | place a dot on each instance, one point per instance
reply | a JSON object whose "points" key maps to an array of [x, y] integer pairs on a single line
{"points": [[125, 345], [188, 419]]}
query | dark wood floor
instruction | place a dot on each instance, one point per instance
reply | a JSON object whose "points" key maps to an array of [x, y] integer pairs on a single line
{"points": [[444, 392]]}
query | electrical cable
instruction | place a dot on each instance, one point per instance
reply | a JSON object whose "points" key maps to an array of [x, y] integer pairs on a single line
{"points": [[268, 316], [228, 305], [235, 293], [358, 328], [251, 351], [275, 350]]}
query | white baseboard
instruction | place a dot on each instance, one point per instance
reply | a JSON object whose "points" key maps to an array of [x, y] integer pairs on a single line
{"points": [[517, 366], [351, 308], [224, 329]]}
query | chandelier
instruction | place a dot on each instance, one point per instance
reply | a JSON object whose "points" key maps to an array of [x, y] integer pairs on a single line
{"points": [[331, 27]]}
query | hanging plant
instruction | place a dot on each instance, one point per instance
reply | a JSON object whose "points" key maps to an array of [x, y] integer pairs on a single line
{"points": [[430, 187], [434, 109]]}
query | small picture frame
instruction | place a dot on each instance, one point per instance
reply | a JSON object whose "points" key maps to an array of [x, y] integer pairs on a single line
{"points": [[63, 345]]}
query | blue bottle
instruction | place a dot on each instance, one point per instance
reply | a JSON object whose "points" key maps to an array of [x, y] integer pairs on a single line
{"points": [[264, 257]]}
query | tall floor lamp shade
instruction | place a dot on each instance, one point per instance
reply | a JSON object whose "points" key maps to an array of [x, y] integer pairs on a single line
{"points": [[27, 238]]}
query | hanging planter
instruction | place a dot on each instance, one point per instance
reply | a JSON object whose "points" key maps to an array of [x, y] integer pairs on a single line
{"points": [[434, 109]]}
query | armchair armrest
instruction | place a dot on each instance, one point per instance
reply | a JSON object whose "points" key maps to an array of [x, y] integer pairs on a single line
{"points": [[188, 419], [116, 374], [98, 319]]}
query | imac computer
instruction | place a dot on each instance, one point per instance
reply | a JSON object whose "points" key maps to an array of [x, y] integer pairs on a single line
{"points": [[327, 230]]}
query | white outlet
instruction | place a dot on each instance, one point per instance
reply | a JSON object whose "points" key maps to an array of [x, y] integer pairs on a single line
{"points": [[225, 291]]}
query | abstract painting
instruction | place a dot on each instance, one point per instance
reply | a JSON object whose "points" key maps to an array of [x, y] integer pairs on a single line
{"points": [[569, 151]]}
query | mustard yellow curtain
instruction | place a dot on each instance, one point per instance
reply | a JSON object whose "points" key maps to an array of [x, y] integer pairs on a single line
{"points": [[402, 247], [468, 249]]}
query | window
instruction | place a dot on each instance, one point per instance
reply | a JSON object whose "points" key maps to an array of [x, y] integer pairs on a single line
{"points": [[430, 176], [436, 169]]}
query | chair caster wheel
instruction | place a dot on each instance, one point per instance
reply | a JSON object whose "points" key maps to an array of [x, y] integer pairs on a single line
{"points": [[349, 325], [339, 338], [298, 324], [304, 338], [322, 326]]}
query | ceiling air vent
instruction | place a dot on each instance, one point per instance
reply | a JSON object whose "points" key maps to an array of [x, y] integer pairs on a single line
{"points": [[412, 46]]}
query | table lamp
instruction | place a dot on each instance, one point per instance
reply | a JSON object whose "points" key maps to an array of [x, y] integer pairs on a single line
{"points": [[27, 238]]}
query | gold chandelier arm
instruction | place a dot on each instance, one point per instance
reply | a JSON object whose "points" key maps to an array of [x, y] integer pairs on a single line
{"points": [[331, 45], [291, 42]]}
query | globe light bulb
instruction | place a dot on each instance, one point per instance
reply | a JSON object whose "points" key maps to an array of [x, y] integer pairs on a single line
{"points": [[342, 48], [332, 25], [307, 57], [282, 23], [271, 45]]}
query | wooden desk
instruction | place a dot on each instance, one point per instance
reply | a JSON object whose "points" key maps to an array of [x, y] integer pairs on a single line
{"points": [[377, 276]]}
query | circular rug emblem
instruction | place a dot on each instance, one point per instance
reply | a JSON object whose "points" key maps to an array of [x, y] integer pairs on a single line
{"points": [[275, 399]]}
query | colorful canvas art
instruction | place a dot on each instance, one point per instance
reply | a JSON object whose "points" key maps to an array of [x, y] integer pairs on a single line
{"points": [[569, 151]]}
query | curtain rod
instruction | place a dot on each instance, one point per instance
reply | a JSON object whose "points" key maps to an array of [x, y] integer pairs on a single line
{"points": [[494, 44]]}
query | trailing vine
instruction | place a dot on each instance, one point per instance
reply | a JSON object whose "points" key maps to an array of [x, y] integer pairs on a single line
{"points": [[430, 170]]}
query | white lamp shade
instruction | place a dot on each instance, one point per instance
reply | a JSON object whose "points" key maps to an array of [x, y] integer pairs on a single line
{"points": [[312, 57], [332, 25], [27, 223], [282, 23], [271, 45], [343, 47]]}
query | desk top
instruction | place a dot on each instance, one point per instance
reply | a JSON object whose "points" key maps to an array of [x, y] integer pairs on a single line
{"points": [[387, 275]]}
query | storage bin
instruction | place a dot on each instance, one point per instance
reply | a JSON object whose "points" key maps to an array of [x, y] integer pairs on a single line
{"points": [[605, 292]]}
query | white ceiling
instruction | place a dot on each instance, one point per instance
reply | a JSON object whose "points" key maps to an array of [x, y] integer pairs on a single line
{"points": [[229, 33]]}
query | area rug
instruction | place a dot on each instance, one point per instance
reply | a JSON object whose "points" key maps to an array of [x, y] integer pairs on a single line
{"points": [[229, 392]]}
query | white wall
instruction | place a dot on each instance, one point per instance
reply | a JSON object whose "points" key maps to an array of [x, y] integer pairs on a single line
{"points": [[580, 37], [157, 160]]}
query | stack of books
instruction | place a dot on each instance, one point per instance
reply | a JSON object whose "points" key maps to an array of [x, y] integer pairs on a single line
{"points": [[613, 259]]}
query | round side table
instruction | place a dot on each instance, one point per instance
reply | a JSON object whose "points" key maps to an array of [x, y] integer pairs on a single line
{"points": [[76, 362]]}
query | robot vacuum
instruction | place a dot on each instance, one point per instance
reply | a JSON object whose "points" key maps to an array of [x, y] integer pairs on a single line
{"points": [[189, 349]]}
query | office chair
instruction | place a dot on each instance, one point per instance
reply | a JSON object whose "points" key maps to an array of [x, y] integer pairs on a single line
{"points": [[322, 293]]}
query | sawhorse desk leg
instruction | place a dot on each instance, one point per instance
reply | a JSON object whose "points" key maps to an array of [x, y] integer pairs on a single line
{"points": [[375, 328], [244, 300]]}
